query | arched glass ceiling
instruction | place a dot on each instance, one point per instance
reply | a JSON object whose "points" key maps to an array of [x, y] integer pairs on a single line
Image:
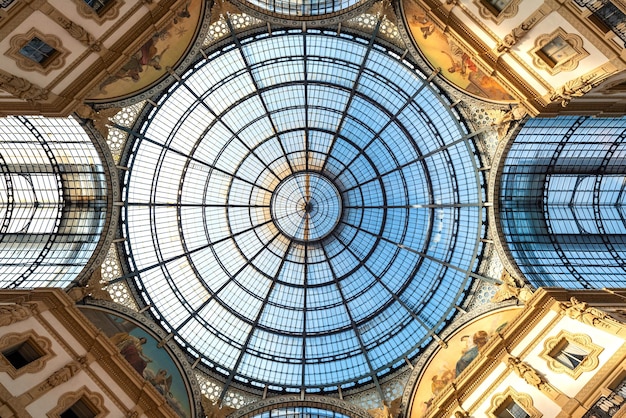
{"points": [[299, 412], [302, 210], [303, 8], [562, 195], [52, 201]]}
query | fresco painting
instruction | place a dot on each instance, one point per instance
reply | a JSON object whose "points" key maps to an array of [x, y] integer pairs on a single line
{"points": [[463, 347], [162, 50], [140, 349], [442, 52]]}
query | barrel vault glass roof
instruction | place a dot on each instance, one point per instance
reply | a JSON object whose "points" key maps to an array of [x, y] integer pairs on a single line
{"points": [[303, 8], [303, 210], [562, 193], [53, 196]]}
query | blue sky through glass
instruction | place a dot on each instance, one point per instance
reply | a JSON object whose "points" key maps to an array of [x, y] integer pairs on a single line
{"points": [[258, 303]]}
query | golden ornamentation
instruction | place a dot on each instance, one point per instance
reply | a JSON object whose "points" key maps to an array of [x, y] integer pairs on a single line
{"points": [[522, 399], [519, 32], [387, 411], [525, 371], [510, 289], [576, 88], [582, 312], [553, 345], [212, 410], [567, 64], [100, 118], [503, 121]]}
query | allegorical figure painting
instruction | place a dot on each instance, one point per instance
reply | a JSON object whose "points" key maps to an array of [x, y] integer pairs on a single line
{"points": [[164, 49], [141, 351], [447, 364], [441, 51]]}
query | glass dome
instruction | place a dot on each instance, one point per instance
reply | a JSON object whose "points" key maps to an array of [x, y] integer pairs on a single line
{"points": [[303, 211]]}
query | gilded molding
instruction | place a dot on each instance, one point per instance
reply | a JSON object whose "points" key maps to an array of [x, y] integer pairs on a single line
{"points": [[521, 30], [553, 345], [604, 378], [487, 12], [568, 64], [526, 372], [577, 87], [582, 312], [522, 399]]}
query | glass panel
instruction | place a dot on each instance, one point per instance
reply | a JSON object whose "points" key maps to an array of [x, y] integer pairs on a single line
{"points": [[310, 203], [38, 51]]}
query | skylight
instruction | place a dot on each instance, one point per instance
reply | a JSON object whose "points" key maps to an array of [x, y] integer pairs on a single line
{"points": [[302, 211]]}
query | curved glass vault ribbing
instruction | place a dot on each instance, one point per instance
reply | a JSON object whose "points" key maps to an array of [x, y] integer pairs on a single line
{"points": [[562, 192], [303, 210], [295, 9], [53, 201], [299, 411]]}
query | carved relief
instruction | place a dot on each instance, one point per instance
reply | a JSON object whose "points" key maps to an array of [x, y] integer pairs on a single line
{"points": [[553, 347], [576, 88], [582, 312], [22, 88], [55, 61], [94, 401], [509, 288], [39, 344], [109, 12], [14, 312], [501, 400], [487, 10], [62, 375], [531, 376], [94, 288], [558, 51], [520, 31], [76, 31], [525, 371]]}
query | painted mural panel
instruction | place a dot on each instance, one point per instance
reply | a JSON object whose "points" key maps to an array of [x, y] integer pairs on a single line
{"points": [[463, 347], [166, 47], [141, 350], [441, 51]]}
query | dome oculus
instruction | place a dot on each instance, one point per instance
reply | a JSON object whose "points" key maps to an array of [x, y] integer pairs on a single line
{"points": [[306, 206]]}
